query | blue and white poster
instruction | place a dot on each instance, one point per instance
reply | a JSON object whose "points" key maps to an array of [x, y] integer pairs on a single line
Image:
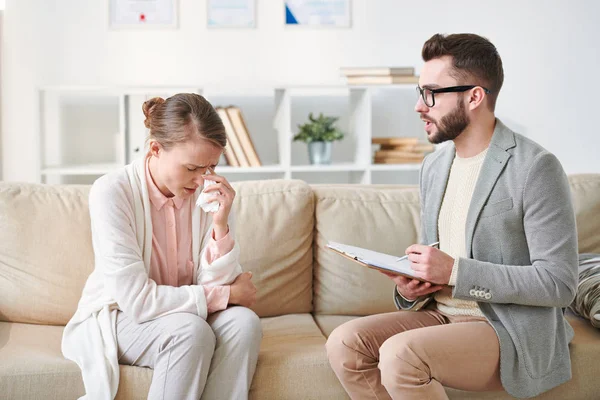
{"points": [[333, 13], [231, 14]]}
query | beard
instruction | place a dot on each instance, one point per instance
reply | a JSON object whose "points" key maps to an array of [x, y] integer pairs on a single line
{"points": [[451, 125]]}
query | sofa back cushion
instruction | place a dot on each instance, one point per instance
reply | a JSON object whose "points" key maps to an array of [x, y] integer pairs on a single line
{"points": [[45, 251], [585, 189], [275, 220], [384, 219]]}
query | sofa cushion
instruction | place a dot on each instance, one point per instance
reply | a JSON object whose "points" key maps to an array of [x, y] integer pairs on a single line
{"points": [[32, 367], [275, 220], [292, 363], [585, 189], [385, 220], [45, 251], [327, 323]]}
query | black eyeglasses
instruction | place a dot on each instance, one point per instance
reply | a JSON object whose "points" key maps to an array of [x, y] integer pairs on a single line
{"points": [[428, 94]]}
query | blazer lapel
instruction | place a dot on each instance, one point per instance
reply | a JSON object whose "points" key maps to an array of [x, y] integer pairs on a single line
{"points": [[436, 194], [493, 165]]}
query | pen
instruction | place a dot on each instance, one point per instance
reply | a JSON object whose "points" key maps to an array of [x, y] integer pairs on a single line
{"points": [[406, 256]]}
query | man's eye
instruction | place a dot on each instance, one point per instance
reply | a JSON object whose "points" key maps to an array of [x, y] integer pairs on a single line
{"points": [[192, 169]]}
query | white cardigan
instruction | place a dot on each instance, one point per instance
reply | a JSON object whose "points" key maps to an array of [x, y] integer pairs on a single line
{"points": [[122, 240]]}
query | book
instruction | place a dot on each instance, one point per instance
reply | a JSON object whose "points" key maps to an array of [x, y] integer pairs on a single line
{"points": [[395, 141], [375, 260], [398, 160], [414, 148], [398, 154], [382, 80], [377, 71], [232, 139], [239, 125]]}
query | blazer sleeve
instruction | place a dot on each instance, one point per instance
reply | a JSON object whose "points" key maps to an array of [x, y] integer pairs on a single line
{"points": [[119, 258], [550, 280], [420, 302]]}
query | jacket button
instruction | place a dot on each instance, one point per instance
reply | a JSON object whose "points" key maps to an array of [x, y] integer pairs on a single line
{"points": [[472, 292], [488, 296]]}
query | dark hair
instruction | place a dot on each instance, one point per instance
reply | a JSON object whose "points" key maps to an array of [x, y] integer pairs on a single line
{"points": [[475, 60], [173, 120]]}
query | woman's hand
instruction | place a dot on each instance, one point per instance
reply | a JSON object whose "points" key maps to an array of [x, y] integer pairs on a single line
{"points": [[242, 291], [222, 192]]}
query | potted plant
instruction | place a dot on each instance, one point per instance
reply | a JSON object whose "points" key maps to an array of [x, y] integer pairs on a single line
{"points": [[318, 134]]}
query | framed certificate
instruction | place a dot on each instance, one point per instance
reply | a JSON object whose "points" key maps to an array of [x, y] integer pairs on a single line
{"points": [[323, 13], [142, 14], [231, 13]]}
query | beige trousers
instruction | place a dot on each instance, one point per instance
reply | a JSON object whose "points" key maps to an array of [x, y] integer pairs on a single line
{"points": [[193, 358], [413, 355]]}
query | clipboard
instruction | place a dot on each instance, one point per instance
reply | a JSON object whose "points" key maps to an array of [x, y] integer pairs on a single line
{"points": [[374, 260]]}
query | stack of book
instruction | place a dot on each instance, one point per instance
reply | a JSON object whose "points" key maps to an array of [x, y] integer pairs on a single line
{"points": [[380, 75], [240, 151], [400, 150]]}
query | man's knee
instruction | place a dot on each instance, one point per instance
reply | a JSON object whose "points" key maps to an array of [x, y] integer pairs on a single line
{"points": [[345, 341], [399, 356]]}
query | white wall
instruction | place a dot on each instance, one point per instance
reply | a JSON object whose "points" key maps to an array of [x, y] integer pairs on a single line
{"points": [[549, 49]]}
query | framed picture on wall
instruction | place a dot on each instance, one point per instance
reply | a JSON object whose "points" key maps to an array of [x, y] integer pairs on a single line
{"points": [[143, 14], [231, 13], [318, 13]]}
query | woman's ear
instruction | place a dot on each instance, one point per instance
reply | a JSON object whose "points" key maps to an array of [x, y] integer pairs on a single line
{"points": [[154, 148]]}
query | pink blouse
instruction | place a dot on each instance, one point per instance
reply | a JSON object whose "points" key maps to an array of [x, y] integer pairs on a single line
{"points": [[171, 261]]}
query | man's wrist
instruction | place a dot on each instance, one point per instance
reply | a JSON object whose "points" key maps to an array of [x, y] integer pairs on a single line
{"points": [[401, 295]]}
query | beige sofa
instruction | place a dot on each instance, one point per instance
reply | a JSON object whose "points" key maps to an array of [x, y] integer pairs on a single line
{"points": [[304, 290]]}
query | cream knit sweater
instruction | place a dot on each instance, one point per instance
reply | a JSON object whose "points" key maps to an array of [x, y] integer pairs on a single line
{"points": [[451, 228]]}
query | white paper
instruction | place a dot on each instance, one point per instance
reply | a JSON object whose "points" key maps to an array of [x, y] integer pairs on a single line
{"points": [[374, 258]]}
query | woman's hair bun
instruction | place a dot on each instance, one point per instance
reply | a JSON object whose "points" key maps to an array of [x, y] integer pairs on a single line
{"points": [[149, 107]]}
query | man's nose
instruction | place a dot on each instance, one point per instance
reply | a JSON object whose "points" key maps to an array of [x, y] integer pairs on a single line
{"points": [[421, 107]]}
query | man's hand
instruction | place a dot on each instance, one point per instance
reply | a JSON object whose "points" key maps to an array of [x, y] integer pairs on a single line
{"points": [[410, 289], [430, 264], [242, 291]]}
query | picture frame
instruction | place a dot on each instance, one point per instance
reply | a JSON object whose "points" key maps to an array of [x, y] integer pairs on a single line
{"points": [[318, 13], [143, 14], [231, 14]]}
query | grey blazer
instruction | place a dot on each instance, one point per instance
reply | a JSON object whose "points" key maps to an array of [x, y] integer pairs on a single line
{"points": [[522, 255]]}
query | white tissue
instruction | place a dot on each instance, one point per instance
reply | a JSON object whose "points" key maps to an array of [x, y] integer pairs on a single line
{"points": [[203, 199]]}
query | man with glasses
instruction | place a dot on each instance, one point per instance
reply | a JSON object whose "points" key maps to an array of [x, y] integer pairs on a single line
{"points": [[489, 315]]}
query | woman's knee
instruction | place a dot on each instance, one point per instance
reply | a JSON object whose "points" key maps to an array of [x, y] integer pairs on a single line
{"points": [[191, 330], [245, 324]]}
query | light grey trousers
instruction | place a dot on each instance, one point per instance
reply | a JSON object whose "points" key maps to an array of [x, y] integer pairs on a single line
{"points": [[193, 358]]}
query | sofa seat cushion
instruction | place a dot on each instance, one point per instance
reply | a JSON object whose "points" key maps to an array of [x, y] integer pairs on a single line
{"points": [[32, 367], [292, 363], [327, 323]]}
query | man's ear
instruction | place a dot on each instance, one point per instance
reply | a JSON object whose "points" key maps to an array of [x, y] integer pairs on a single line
{"points": [[476, 97], [155, 148]]}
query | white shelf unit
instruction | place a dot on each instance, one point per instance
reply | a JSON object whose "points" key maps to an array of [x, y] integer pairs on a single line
{"points": [[85, 132]]}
